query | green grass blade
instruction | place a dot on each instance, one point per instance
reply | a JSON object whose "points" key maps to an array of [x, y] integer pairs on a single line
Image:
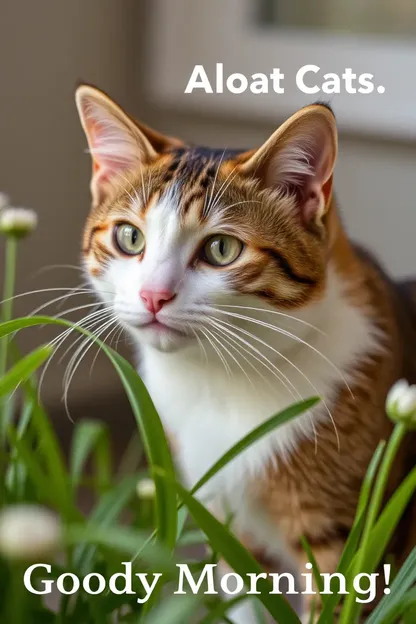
{"points": [[353, 539], [409, 608], [398, 610], [48, 447], [156, 447], [388, 520], [125, 541], [16, 473], [104, 516], [217, 613], [255, 435], [147, 418], [315, 568], [362, 563], [405, 578], [175, 610], [35, 473], [237, 557], [90, 437], [24, 369]]}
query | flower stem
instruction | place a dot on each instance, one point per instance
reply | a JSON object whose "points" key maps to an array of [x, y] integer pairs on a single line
{"points": [[349, 612], [8, 292]]}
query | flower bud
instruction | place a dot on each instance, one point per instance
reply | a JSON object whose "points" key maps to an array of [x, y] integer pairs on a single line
{"points": [[18, 222], [28, 532], [146, 492], [146, 489], [401, 403]]}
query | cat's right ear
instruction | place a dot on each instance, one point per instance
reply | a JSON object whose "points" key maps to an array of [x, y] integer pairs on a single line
{"points": [[117, 144]]}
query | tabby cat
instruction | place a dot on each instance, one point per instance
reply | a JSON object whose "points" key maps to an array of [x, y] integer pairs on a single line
{"points": [[233, 273]]}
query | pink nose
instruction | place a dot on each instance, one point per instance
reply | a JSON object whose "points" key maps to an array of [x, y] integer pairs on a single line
{"points": [[155, 300]]}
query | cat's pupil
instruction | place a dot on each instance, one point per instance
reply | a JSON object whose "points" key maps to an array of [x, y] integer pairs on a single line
{"points": [[222, 246], [134, 237]]}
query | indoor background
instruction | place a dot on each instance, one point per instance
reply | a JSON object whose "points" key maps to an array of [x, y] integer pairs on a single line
{"points": [[47, 47]]}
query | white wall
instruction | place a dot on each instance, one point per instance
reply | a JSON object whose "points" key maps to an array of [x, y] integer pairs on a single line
{"points": [[46, 48]]}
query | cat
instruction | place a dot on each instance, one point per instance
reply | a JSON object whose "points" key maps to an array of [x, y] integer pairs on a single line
{"points": [[234, 275]]}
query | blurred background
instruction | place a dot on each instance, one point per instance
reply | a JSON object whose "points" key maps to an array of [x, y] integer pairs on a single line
{"points": [[142, 53]]}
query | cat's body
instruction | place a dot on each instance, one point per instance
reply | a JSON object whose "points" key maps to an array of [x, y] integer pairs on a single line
{"points": [[233, 273]]}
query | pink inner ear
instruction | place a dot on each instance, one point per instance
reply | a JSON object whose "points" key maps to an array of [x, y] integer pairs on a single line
{"points": [[101, 175], [311, 201]]}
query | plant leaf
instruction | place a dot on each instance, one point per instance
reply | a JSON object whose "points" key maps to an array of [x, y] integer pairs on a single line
{"points": [[147, 418], [175, 610], [24, 369], [90, 436], [272, 423], [353, 539], [103, 516], [126, 541], [237, 557], [405, 578]]}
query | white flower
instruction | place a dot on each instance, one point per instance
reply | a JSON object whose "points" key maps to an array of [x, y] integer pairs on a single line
{"points": [[146, 489], [4, 201], [28, 532], [401, 403], [18, 221]]}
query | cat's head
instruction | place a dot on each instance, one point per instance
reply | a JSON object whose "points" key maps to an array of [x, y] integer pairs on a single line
{"points": [[179, 234]]}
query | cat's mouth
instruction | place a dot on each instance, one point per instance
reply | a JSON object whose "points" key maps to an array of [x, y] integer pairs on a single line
{"points": [[153, 328], [162, 327]]}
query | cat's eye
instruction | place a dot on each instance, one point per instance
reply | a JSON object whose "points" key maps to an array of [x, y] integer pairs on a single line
{"points": [[129, 239], [221, 250]]}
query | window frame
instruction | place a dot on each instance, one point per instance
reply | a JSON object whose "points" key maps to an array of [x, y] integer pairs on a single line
{"points": [[258, 49]]}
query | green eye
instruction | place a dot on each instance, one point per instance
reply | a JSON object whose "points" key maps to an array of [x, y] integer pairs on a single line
{"points": [[221, 250], [129, 239]]}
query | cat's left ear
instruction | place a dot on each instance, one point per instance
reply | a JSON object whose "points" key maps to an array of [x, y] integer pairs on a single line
{"points": [[300, 157], [117, 143]]}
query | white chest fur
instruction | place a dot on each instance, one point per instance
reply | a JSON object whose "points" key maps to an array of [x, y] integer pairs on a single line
{"points": [[208, 411]]}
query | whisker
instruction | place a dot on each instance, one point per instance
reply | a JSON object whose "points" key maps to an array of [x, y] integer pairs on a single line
{"points": [[289, 316], [201, 344], [86, 345], [118, 338], [300, 373], [133, 200], [281, 377], [77, 308], [98, 317], [223, 187], [207, 334], [52, 267], [207, 208], [284, 332], [43, 290], [240, 347], [225, 338], [149, 182], [60, 339], [95, 318], [52, 301], [107, 337]]}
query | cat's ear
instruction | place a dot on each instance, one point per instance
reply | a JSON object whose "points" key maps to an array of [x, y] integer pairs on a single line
{"points": [[300, 158], [117, 143]]}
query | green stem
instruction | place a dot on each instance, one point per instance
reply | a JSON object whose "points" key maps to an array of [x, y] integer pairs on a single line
{"points": [[8, 292], [349, 612]]}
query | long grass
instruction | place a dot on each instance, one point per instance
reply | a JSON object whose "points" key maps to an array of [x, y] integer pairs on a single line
{"points": [[35, 472]]}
